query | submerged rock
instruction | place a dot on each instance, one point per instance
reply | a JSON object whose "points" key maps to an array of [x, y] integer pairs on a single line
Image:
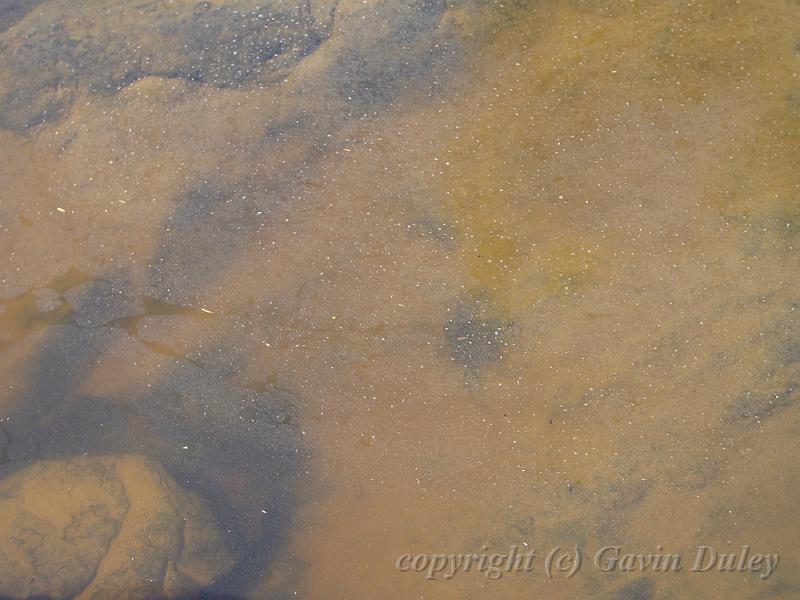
{"points": [[101, 527], [51, 53], [375, 50]]}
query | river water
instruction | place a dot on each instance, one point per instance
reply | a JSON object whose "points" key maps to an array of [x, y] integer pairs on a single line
{"points": [[375, 280]]}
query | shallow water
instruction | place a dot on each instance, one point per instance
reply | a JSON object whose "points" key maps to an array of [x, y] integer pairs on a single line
{"points": [[375, 279]]}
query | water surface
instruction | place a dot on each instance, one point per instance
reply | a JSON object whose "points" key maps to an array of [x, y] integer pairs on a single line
{"points": [[382, 278]]}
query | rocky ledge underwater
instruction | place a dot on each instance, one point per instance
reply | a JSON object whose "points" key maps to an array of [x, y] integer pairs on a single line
{"points": [[293, 289]]}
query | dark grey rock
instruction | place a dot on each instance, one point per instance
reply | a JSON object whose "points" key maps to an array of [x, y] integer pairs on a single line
{"points": [[394, 44], [47, 56]]}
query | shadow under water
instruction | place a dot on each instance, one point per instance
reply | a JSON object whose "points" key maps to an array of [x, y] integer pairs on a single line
{"points": [[294, 289]]}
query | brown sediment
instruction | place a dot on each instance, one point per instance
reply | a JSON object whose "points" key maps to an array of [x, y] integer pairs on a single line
{"points": [[547, 299]]}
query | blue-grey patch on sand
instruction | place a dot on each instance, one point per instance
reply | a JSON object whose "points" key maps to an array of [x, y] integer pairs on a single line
{"points": [[616, 501], [280, 131], [102, 300], [783, 338], [641, 589], [701, 474], [786, 337], [626, 495], [778, 386], [12, 11], [475, 337], [376, 68], [768, 236], [203, 236], [784, 583], [793, 103], [281, 183], [431, 228], [424, 220], [750, 408]]}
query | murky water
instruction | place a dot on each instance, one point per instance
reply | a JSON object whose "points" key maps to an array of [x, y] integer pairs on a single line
{"points": [[295, 295]]}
